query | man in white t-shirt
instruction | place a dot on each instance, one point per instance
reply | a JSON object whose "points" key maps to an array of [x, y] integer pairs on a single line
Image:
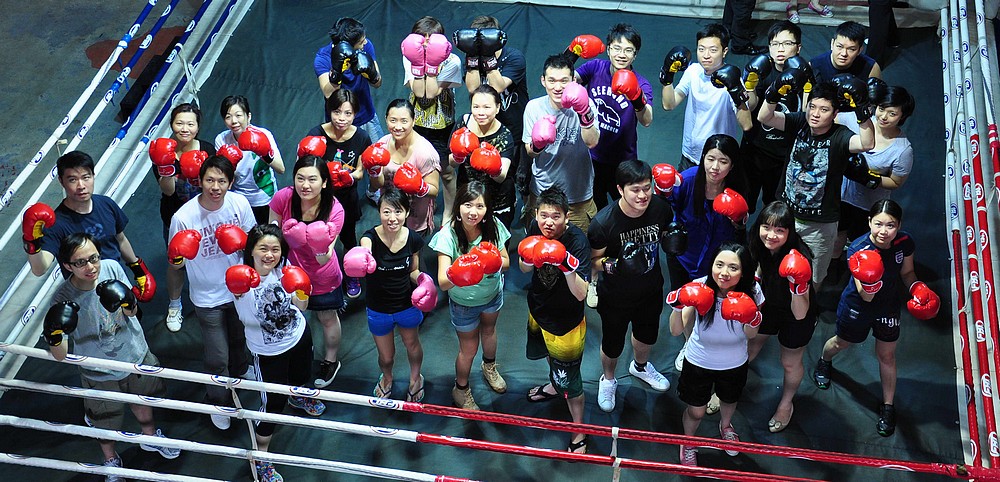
{"points": [[222, 330], [710, 110]]}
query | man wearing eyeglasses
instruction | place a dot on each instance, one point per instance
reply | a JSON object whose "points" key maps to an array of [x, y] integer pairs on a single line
{"points": [[623, 100], [764, 149], [96, 309], [82, 211]]}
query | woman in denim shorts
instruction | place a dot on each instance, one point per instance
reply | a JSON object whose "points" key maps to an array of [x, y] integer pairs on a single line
{"points": [[471, 261]]}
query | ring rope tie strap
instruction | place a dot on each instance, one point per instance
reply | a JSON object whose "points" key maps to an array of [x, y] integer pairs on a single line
{"points": [[617, 472]]}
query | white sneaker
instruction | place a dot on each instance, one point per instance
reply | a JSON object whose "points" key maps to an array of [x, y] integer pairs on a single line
{"points": [[592, 294], [221, 422], [606, 390], [114, 462], [174, 319], [655, 380], [165, 452], [679, 361], [250, 374], [729, 434]]}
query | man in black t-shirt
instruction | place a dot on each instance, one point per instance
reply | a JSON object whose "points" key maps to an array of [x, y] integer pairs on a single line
{"points": [[624, 245], [764, 149], [815, 169], [558, 255]]}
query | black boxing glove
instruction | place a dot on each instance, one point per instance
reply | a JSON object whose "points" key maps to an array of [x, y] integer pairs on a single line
{"points": [[61, 318], [677, 59], [757, 69], [632, 261], [728, 77], [858, 171], [673, 239], [114, 295]]}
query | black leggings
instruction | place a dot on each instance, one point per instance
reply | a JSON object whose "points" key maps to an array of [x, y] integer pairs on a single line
{"points": [[293, 367], [604, 184]]}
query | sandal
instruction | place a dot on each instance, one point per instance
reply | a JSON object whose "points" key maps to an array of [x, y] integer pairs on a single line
{"points": [[714, 404], [775, 426], [574, 447], [792, 10], [380, 392], [538, 394], [823, 10], [417, 396]]}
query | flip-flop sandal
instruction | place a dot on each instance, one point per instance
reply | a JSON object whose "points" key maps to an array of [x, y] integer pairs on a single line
{"points": [[380, 392], [775, 426], [538, 394], [574, 447], [417, 396]]}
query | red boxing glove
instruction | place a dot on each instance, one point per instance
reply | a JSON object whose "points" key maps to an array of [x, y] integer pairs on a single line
{"points": [[866, 267], [414, 51], [36, 217], [163, 153], [624, 82], [465, 271], [255, 141], [575, 97], [741, 307], [526, 249], [375, 157], [550, 251], [295, 280], [730, 204], [340, 178], [543, 133], [312, 146], [665, 177], [145, 285], [586, 46], [231, 152], [925, 303], [489, 256], [463, 142], [795, 267], [241, 278], [425, 295], [230, 237], [409, 180], [436, 52], [191, 162], [487, 159], [695, 294], [184, 244]]}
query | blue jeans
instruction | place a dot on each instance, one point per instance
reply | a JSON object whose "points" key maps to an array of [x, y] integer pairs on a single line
{"points": [[466, 318]]}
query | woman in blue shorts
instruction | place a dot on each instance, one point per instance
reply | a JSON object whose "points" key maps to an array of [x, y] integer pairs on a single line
{"points": [[881, 263]]}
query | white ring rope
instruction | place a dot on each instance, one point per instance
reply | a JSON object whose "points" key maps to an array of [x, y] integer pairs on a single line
{"points": [[211, 449]]}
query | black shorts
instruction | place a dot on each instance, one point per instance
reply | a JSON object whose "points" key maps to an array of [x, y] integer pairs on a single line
{"points": [[853, 324], [644, 316], [791, 333], [697, 384]]}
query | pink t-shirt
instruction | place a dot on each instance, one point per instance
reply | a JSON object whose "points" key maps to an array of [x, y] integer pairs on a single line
{"points": [[426, 159], [325, 277]]}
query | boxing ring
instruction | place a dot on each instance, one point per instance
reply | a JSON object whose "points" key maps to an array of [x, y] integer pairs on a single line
{"points": [[968, 77]]}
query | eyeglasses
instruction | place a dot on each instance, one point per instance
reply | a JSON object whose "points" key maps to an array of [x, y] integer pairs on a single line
{"points": [[785, 45], [615, 49], [95, 260]]}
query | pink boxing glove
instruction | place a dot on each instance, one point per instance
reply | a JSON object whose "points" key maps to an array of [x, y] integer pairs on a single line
{"points": [[413, 49], [359, 262], [574, 96], [436, 52], [295, 233], [320, 235], [543, 133], [425, 295]]}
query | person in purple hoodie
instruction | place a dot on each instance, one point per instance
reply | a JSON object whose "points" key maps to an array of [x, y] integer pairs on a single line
{"points": [[623, 100]]}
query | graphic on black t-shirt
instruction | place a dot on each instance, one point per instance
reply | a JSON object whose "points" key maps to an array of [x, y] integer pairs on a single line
{"points": [[275, 312], [805, 177]]}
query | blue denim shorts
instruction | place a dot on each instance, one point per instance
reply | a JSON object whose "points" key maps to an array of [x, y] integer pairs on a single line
{"points": [[333, 300], [381, 324], [466, 318]]}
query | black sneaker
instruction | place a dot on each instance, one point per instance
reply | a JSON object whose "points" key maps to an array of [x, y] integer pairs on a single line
{"points": [[886, 420], [327, 372], [821, 374], [352, 287]]}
